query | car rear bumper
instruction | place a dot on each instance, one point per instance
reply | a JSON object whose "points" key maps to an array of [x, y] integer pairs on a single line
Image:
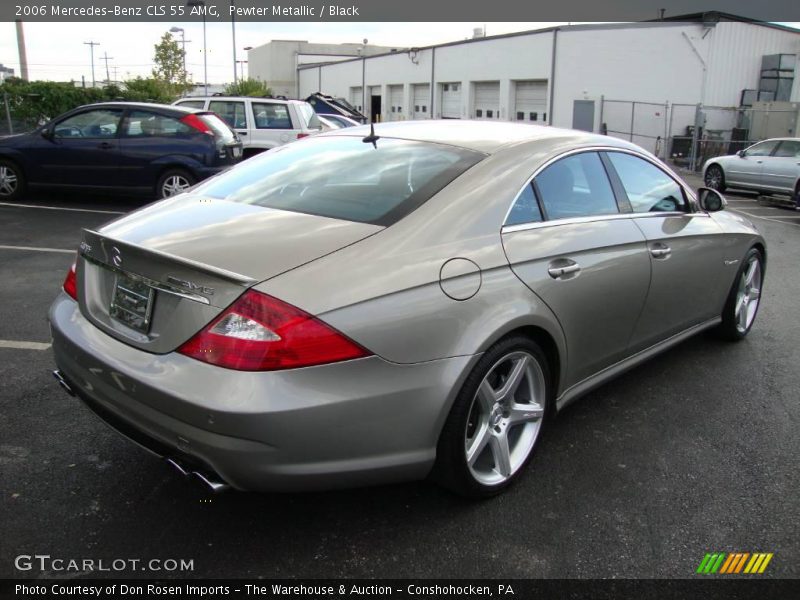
{"points": [[360, 422]]}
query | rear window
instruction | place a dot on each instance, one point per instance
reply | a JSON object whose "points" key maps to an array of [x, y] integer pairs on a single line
{"points": [[308, 116], [344, 177], [218, 126]]}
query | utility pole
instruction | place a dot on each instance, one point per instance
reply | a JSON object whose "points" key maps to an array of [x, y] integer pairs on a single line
{"points": [[91, 48], [23, 55], [233, 33], [106, 58]]}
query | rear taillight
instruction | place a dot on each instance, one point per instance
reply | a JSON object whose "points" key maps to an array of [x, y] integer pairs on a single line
{"points": [[197, 123], [261, 333], [300, 136], [70, 282]]}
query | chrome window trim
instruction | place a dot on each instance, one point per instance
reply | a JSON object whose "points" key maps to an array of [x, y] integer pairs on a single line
{"points": [[594, 219], [690, 197]]}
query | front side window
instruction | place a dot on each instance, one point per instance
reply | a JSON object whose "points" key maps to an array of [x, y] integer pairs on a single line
{"points": [[788, 149], [100, 123], [142, 123], [343, 177], [576, 186], [231, 111], [649, 189], [271, 116], [762, 148]]}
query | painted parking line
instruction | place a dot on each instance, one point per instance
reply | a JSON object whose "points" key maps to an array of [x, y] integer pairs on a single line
{"points": [[771, 219], [35, 249], [19, 345], [87, 210]]}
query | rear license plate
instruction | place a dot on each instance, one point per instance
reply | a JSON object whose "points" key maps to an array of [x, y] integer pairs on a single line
{"points": [[132, 303], [237, 151]]}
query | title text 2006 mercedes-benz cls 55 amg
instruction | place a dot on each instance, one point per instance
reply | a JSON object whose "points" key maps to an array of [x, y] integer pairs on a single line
{"points": [[364, 307]]}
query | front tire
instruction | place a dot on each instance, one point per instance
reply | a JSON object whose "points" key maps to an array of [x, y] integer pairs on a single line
{"points": [[744, 298], [12, 181], [715, 178], [173, 182], [495, 421]]}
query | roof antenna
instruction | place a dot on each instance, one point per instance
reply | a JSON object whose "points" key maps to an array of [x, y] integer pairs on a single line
{"points": [[372, 138]]}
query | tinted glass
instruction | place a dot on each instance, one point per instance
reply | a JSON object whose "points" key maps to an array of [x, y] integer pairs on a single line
{"points": [[271, 116], [100, 123], [525, 209], [193, 103], [142, 123], [649, 189], [762, 148], [232, 112], [788, 149], [576, 186], [343, 177]]}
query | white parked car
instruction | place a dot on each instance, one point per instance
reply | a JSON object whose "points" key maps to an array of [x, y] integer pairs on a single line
{"points": [[261, 123]]}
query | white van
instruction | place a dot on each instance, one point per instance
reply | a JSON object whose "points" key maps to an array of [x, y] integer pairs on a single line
{"points": [[262, 123]]}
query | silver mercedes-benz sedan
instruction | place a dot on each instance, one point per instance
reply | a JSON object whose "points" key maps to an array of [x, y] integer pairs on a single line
{"points": [[771, 166], [373, 306]]}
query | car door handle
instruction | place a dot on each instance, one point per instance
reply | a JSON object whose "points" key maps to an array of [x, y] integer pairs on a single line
{"points": [[556, 272], [660, 251], [241, 133], [105, 146]]}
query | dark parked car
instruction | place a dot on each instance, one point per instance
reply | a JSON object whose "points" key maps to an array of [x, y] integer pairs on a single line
{"points": [[146, 148]]}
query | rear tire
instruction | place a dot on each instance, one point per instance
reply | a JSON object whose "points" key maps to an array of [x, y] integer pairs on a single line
{"points": [[12, 181], [496, 420], [715, 178], [173, 182], [744, 298]]}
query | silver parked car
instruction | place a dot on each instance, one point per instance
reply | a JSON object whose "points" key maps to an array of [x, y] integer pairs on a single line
{"points": [[771, 166], [373, 306]]}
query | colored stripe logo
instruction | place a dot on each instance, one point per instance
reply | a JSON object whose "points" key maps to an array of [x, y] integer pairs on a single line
{"points": [[734, 563]]}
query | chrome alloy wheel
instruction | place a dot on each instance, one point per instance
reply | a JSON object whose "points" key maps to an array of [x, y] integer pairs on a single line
{"points": [[174, 184], [8, 181], [713, 178], [505, 418], [748, 295]]}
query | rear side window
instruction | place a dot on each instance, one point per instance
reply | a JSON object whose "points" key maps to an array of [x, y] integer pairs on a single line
{"points": [[525, 209], [308, 116], [271, 116], [649, 189], [788, 149], [231, 111], [141, 123], [344, 178], [576, 186]]}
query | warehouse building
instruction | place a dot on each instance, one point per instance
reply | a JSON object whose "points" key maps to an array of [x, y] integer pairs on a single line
{"points": [[638, 80]]}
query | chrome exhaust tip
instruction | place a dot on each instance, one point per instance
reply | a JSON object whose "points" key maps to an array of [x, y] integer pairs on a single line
{"points": [[211, 480], [63, 382]]}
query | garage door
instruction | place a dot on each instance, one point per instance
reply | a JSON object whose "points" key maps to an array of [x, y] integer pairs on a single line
{"points": [[530, 101], [451, 100], [395, 108], [357, 98], [487, 100], [422, 100]]}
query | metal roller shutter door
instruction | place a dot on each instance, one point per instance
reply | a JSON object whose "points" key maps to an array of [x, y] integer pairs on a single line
{"points": [[422, 100], [357, 99], [530, 101], [451, 100], [395, 109], [487, 100]]}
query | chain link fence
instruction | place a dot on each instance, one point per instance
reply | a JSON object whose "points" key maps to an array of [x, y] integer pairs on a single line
{"points": [[687, 135]]}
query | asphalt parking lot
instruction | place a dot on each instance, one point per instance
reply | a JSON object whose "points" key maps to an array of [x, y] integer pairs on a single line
{"points": [[694, 452]]}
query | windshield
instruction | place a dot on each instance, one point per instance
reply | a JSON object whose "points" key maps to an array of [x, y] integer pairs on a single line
{"points": [[344, 178]]}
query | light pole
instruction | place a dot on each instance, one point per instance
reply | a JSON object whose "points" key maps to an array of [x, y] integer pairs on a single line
{"points": [[91, 48], [247, 49], [233, 34], [183, 43], [241, 64], [201, 4]]}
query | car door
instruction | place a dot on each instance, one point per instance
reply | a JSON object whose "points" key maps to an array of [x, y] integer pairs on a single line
{"points": [[567, 241], [82, 150], [234, 113], [782, 169], [272, 124], [685, 250], [746, 168]]}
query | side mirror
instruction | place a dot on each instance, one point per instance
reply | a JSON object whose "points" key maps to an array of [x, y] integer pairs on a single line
{"points": [[47, 133], [710, 200], [740, 154]]}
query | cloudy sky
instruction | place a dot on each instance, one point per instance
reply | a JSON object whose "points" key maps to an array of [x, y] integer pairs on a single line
{"points": [[56, 51]]}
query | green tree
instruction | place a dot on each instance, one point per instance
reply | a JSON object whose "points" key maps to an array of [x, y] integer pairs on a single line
{"points": [[248, 87], [169, 59], [148, 90]]}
